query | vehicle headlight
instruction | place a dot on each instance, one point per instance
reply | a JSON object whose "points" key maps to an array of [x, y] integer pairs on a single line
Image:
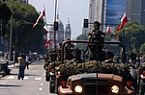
{"points": [[115, 89], [78, 88], [58, 72]]}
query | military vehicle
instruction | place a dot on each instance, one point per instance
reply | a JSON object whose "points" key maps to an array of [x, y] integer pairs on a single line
{"points": [[112, 76]]}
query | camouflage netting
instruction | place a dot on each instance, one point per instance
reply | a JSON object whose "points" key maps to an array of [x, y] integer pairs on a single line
{"points": [[72, 68]]}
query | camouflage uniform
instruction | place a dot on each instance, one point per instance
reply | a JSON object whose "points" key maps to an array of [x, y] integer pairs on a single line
{"points": [[69, 51], [96, 49]]}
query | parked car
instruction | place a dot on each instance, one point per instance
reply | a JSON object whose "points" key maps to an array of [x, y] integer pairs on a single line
{"points": [[4, 69]]}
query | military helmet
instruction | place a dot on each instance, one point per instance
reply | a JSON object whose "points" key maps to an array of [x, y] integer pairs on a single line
{"points": [[97, 23]]}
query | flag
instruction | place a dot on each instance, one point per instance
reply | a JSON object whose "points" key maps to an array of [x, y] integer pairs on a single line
{"points": [[47, 30], [108, 30], [124, 20], [47, 43], [42, 14]]}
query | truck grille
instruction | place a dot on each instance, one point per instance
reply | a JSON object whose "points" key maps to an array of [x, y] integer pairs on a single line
{"points": [[96, 87]]}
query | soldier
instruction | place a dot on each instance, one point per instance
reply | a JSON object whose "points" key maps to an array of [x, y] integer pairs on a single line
{"points": [[96, 48], [69, 50], [77, 55], [59, 51]]}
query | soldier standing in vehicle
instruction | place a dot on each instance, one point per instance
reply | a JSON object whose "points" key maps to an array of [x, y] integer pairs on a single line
{"points": [[96, 48], [69, 50]]}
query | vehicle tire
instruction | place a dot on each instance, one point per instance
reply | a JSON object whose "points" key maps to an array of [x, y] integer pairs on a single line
{"points": [[47, 76], [51, 85]]}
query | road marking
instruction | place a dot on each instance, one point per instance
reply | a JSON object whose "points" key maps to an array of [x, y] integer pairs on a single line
{"points": [[11, 77], [40, 89], [38, 78], [26, 77], [41, 83], [44, 74]]}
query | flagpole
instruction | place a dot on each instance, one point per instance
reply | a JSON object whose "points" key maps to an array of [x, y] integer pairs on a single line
{"points": [[123, 35], [54, 26], [55, 13]]}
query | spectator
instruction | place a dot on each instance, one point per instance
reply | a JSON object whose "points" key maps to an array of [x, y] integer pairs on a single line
{"points": [[27, 61], [22, 65]]}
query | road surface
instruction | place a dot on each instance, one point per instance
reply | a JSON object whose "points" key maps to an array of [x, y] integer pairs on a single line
{"points": [[33, 84]]}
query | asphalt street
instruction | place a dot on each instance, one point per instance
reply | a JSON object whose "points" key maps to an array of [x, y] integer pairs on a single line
{"points": [[33, 84]]}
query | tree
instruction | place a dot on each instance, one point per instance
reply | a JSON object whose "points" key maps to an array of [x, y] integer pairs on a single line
{"points": [[5, 12], [24, 38], [81, 37], [5, 15], [133, 36], [142, 48]]}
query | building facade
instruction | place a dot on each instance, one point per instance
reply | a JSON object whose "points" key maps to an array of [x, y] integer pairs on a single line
{"points": [[107, 12], [133, 10], [61, 34], [136, 11], [95, 12], [68, 31], [143, 12], [24, 1]]}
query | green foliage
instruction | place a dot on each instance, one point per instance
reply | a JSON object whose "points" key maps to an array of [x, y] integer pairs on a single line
{"points": [[5, 12], [71, 68], [133, 36], [24, 38], [81, 37], [142, 48]]}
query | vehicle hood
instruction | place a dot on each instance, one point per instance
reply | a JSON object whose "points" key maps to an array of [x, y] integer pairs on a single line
{"points": [[95, 75]]}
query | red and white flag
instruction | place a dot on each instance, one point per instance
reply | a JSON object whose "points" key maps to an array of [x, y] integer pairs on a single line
{"points": [[108, 30], [48, 43], [124, 20], [42, 14], [47, 30]]}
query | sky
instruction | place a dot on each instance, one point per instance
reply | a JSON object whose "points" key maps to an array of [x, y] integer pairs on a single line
{"points": [[74, 10]]}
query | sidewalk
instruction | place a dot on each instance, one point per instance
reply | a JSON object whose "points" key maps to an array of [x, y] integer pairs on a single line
{"points": [[13, 65]]}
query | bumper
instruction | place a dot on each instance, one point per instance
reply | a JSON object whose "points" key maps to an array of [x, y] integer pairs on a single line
{"points": [[64, 91]]}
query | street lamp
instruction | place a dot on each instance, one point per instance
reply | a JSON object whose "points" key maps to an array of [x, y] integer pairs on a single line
{"points": [[11, 32], [55, 26]]}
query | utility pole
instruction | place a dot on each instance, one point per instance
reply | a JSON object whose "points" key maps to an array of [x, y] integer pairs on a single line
{"points": [[55, 26], [10, 44], [1, 35]]}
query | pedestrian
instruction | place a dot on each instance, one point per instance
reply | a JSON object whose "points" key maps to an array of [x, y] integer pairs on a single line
{"points": [[21, 61], [27, 61]]}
